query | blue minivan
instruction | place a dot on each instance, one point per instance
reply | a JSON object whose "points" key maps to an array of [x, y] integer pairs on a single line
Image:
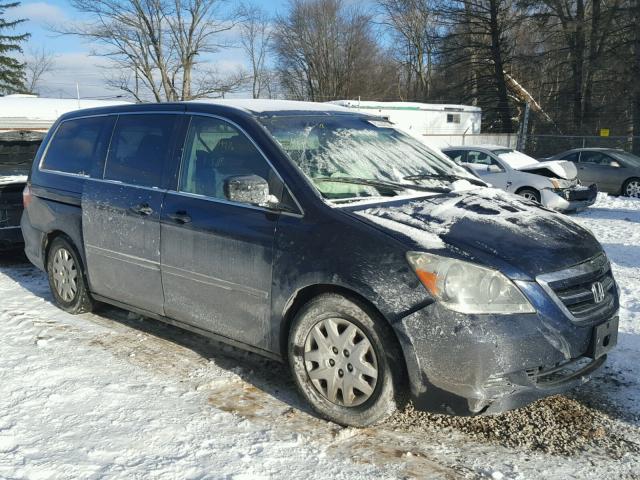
{"points": [[377, 268]]}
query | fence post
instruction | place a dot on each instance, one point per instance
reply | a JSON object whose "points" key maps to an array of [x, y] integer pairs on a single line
{"points": [[522, 137]]}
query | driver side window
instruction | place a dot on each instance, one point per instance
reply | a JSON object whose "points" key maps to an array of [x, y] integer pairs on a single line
{"points": [[480, 158], [216, 151]]}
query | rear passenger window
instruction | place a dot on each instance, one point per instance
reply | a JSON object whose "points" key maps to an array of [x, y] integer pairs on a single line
{"points": [[79, 146], [139, 149]]}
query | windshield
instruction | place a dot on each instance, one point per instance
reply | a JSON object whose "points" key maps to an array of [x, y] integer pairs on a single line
{"points": [[514, 158], [349, 156], [630, 158]]}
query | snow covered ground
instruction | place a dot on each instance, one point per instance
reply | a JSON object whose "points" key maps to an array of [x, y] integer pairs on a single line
{"points": [[112, 395]]}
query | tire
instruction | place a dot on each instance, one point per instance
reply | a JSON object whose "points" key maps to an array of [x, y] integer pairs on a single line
{"points": [[368, 358], [67, 279], [529, 194], [631, 188]]}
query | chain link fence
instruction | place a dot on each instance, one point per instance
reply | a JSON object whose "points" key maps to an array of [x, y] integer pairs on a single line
{"points": [[543, 146]]}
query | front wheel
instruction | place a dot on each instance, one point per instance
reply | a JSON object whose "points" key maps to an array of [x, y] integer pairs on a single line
{"points": [[631, 188], [346, 361], [66, 278], [529, 194]]}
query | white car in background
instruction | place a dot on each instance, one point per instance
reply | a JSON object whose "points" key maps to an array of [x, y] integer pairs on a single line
{"points": [[554, 184]]}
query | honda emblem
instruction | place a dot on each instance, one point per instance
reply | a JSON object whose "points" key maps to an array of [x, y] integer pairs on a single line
{"points": [[598, 292]]}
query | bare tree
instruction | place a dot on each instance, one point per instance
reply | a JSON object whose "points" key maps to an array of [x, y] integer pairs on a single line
{"points": [[477, 51], [256, 34], [155, 45], [37, 63], [326, 50], [414, 25]]}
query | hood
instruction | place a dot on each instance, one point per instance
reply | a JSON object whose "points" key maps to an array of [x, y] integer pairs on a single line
{"points": [[487, 226], [552, 168]]}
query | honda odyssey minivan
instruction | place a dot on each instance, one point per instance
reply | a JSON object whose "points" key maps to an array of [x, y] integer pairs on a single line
{"points": [[378, 269]]}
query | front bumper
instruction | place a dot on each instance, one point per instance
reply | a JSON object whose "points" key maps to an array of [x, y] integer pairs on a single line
{"points": [[570, 199], [478, 364]]}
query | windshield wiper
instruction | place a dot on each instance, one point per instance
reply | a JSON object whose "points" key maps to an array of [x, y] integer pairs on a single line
{"points": [[448, 177], [381, 184]]}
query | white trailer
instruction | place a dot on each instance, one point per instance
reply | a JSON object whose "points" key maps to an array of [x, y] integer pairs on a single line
{"points": [[25, 120], [33, 113], [423, 118]]}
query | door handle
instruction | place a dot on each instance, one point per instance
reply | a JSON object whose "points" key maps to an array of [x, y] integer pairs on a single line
{"points": [[180, 217], [142, 209]]}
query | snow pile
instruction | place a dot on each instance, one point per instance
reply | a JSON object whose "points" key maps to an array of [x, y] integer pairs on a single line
{"points": [[83, 397], [615, 221]]}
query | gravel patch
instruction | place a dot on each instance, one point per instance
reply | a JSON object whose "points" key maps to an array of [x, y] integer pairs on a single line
{"points": [[556, 425]]}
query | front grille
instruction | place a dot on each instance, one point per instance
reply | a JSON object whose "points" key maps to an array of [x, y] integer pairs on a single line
{"points": [[586, 292], [580, 194]]}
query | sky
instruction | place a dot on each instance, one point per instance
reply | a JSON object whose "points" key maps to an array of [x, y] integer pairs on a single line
{"points": [[74, 62]]}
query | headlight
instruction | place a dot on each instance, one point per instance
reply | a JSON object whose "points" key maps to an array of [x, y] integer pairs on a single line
{"points": [[468, 288]]}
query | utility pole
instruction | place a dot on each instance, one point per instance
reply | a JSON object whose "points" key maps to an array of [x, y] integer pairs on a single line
{"points": [[522, 138]]}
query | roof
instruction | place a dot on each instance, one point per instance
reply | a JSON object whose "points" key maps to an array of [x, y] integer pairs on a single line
{"points": [[261, 105], [483, 147], [32, 112], [439, 107], [596, 149]]}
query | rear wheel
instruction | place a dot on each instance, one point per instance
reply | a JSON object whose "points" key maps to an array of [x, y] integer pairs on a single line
{"points": [[631, 188], [66, 278], [346, 361], [529, 194]]}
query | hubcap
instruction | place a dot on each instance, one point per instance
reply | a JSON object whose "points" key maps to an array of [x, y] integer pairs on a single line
{"points": [[65, 275], [341, 362], [529, 196], [633, 189]]}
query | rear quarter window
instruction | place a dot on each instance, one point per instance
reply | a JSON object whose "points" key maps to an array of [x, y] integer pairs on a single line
{"points": [[79, 146], [571, 157]]}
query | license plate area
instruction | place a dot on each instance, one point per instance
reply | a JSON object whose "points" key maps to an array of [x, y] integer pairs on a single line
{"points": [[605, 337]]}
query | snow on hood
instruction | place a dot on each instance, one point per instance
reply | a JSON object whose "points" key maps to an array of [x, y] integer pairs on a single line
{"points": [[11, 179], [489, 226]]}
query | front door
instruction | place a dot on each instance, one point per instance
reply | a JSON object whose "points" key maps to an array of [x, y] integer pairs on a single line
{"points": [[217, 254], [487, 168], [121, 214]]}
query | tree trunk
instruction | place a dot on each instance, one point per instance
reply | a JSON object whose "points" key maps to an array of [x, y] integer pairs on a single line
{"points": [[578, 66], [635, 74], [504, 111]]}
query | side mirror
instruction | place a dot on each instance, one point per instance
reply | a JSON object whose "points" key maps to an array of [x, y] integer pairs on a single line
{"points": [[494, 169], [614, 164], [250, 189]]}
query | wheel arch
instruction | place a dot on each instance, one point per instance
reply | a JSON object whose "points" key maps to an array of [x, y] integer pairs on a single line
{"points": [[48, 239], [305, 294], [526, 187]]}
